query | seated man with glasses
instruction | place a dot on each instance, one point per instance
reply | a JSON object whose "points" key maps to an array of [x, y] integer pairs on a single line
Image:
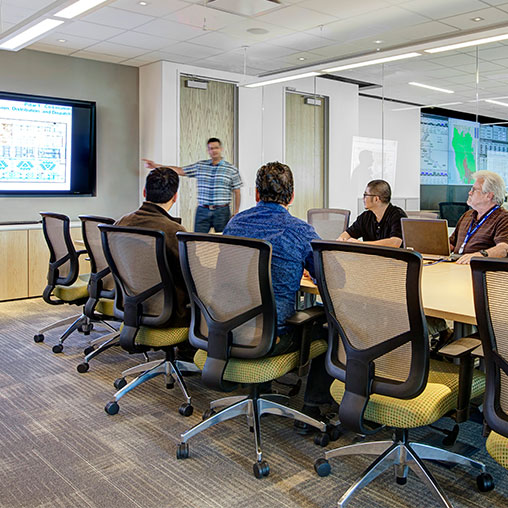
{"points": [[483, 230], [380, 223]]}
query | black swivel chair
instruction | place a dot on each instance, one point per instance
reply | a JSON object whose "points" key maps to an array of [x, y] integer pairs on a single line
{"points": [[234, 326], [329, 223], [144, 295], [378, 353], [101, 289], [490, 282], [452, 211], [65, 285]]}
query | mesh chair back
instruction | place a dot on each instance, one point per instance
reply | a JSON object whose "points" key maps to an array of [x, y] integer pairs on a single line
{"points": [[377, 333], [416, 214], [452, 211], [93, 244], [63, 259], [144, 286], [329, 223], [490, 283]]}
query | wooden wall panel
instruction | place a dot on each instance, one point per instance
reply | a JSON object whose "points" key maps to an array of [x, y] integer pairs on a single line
{"points": [[203, 114], [13, 264], [305, 153]]}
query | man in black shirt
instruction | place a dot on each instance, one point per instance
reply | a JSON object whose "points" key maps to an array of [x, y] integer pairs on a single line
{"points": [[380, 223]]}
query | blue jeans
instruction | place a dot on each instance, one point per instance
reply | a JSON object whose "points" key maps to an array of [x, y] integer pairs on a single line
{"points": [[207, 218]]}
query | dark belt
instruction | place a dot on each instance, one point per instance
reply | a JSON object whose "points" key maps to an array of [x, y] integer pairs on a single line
{"points": [[213, 207]]}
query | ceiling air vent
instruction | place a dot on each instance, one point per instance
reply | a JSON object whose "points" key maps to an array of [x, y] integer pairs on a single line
{"points": [[244, 7]]}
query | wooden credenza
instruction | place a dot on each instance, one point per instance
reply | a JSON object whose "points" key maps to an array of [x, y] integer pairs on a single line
{"points": [[24, 258]]}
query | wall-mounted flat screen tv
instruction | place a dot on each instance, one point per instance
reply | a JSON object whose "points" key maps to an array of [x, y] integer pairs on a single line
{"points": [[47, 146]]}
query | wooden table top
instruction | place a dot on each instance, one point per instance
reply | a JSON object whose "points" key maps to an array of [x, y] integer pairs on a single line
{"points": [[447, 292]]}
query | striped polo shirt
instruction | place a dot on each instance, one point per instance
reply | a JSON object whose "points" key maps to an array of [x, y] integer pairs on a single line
{"points": [[215, 181]]}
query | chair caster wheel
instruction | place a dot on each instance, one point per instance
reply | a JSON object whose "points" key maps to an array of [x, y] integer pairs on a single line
{"points": [[112, 408], [39, 337], [185, 409], [322, 467], [58, 348], [88, 350], [119, 383], [83, 367], [321, 439], [208, 413], [182, 452], [333, 431], [484, 482], [170, 386], [261, 469], [401, 480]]}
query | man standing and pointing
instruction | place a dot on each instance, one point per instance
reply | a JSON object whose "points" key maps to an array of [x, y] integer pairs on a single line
{"points": [[217, 181]]}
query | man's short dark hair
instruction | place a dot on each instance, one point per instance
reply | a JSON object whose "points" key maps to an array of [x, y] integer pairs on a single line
{"points": [[380, 188], [214, 140], [274, 183], [161, 185]]}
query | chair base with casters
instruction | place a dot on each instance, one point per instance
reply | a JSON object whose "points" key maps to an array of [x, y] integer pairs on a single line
{"points": [[169, 367], [254, 405], [437, 400]]}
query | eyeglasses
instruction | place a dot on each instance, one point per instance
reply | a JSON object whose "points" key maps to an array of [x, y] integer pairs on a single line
{"points": [[371, 195]]}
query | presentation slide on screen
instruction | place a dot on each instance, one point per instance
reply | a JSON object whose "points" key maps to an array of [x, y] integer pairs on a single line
{"points": [[35, 146], [453, 149]]}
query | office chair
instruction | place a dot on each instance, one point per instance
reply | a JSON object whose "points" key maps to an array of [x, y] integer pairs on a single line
{"points": [[144, 294], [65, 285], [101, 289], [378, 353], [490, 279], [452, 211], [329, 223], [233, 325], [417, 214]]}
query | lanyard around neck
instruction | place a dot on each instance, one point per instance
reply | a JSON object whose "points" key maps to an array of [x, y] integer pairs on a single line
{"points": [[471, 231]]}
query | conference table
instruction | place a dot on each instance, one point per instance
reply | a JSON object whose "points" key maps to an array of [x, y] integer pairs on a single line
{"points": [[447, 292]]}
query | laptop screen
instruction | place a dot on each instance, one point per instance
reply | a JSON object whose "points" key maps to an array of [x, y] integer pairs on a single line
{"points": [[426, 236]]}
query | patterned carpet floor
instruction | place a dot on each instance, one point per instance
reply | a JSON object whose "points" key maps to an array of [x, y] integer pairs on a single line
{"points": [[58, 447]]}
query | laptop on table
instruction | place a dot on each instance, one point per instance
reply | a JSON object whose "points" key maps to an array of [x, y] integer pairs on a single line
{"points": [[429, 237]]}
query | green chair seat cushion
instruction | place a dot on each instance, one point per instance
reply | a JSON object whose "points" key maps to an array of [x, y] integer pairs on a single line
{"points": [[76, 291], [262, 369], [438, 398], [497, 446], [106, 306], [161, 337]]}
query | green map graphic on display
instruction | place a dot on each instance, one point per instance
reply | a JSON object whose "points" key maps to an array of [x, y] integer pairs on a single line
{"points": [[462, 163]]}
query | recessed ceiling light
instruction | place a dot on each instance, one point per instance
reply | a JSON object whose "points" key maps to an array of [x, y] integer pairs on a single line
{"points": [[378, 42], [62, 40], [477, 19], [21, 39], [435, 88], [257, 31], [143, 3], [301, 58]]}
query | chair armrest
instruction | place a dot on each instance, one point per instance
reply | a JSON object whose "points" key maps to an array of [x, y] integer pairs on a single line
{"points": [[478, 352], [304, 321], [463, 349], [460, 347]]}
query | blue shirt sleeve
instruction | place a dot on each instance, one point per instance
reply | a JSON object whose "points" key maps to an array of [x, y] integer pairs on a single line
{"points": [[191, 170], [309, 253]]}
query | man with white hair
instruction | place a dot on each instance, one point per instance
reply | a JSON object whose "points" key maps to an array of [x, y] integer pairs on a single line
{"points": [[483, 230]]}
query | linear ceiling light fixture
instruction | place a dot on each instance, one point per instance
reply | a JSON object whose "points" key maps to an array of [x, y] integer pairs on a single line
{"points": [[467, 44], [281, 80], [20, 39], [78, 8], [373, 62], [435, 88], [499, 103]]}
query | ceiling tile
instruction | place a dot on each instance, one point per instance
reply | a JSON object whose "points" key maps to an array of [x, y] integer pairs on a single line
{"points": [[89, 30], [345, 8], [5, 26], [218, 40], [169, 29], [139, 40], [156, 8], [101, 57], [487, 53], [196, 15], [119, 50], [51, 48], [239, 30], [117, 18], [72, 42], [437, 9], [14, 13], [455, 60], [491, 16], [191, 50], [297, 18], [265, 50], [35, 5], [167, 56], [300, 41]]}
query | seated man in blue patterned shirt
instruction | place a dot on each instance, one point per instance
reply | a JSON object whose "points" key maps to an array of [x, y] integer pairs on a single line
{"points": [[217, 181], [291, 252]]}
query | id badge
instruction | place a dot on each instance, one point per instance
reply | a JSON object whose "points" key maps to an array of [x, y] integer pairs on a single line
{"points": [[461, 250]]}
